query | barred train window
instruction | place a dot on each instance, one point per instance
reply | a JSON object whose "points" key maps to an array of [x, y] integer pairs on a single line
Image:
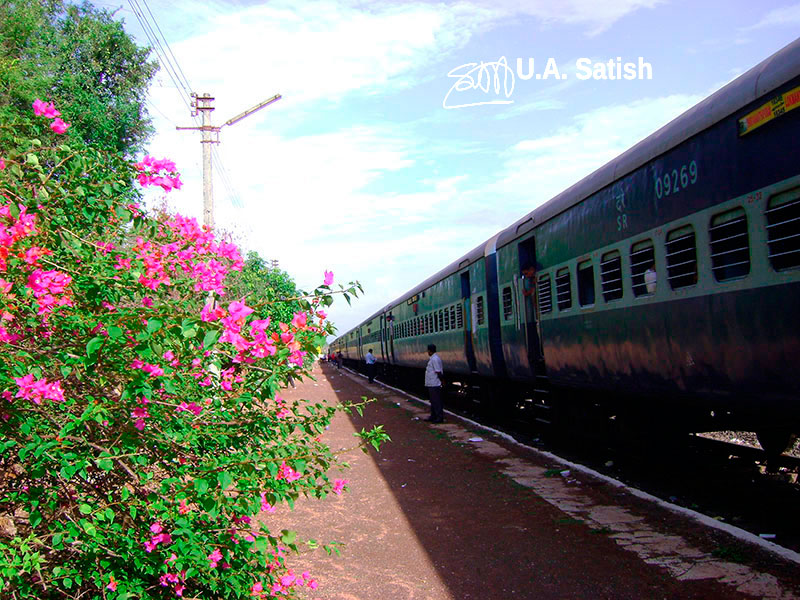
{"points": [[643, 259], [479, 310], [507, 308], [459, 316], [441, 321], [783, 230], [611, 275], [681, 257], [563, 289], [452, 317], [585, 283], [434, 322], [730, 245], [545, 294]]}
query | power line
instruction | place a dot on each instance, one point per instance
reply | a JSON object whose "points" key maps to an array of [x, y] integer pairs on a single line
{"points": [[170, 63], [187, 87]]}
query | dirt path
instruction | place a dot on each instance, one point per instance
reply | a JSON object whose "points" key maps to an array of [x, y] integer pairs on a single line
{"points": [[436, 516]]}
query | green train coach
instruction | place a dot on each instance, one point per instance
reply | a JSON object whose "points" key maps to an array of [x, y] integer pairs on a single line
{"points": [[665, 285]]}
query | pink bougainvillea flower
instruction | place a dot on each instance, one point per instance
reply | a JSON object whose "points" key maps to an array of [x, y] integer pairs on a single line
{"points": [[288, 473], [211, 313], [239, 310], [338, 486], [266, 506], [300, 320], [257, 589], [184, 508], [39, 107], [214, 558], [112, 584], [328, 277], [59, 126], [2, 164]]}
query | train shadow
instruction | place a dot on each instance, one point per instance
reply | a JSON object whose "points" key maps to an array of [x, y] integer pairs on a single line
{"points": [[485, 535]]}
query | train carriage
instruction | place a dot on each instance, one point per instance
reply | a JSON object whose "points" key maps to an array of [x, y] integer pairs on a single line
{"points": [[668, 278]]}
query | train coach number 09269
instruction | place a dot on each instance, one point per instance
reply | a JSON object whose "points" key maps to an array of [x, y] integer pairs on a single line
{"points": [[676, 180]]}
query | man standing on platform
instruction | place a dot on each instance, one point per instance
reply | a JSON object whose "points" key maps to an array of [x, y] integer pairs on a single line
{"points": [[433, 381], [370, 360]]}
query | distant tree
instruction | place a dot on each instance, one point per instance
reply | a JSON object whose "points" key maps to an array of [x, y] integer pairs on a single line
{"points": [[262, 284], [82, 59]]}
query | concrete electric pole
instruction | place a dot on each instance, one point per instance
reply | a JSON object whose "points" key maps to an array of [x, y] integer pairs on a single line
{"points": [[203, 104]]}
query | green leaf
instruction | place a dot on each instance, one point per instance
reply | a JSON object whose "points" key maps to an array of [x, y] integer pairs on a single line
{"points": [[106, 464], [225, 479], [153, 325], [94, 346], [115, 332], [201, 485], [85, 509], [210, 338], [35, 518], [288, 537]]}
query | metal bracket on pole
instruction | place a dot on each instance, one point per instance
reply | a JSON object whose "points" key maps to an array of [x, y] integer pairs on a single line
{"points": [[204, 104]]}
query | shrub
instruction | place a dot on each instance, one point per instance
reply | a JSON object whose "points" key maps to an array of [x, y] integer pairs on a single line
{"points": [[142, 428]]}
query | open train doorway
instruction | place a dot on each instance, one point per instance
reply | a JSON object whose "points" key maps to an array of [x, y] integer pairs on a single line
{"points": [[469, 349], [527, 267]]}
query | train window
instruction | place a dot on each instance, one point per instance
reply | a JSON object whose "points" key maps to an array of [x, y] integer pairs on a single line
{"points": [[434, 323], [643, 268], [480, 313], [459, 316], [783, 230], [507, 306], [586, 283], [681, 257], [428, 324], [545, 294], [611, 275], [441, 320], [452, 317], [563, 289], [730, 245]]}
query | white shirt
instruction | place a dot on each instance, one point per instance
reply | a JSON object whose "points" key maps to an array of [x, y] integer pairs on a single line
{"points": [[434, 366], [650, 279], [370, 358]]}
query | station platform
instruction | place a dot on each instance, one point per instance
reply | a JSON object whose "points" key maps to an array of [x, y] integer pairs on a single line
{"points": [[455, 512]]}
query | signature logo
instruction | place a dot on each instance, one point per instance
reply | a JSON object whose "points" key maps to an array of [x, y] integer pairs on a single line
{"points": [[481, 76]]}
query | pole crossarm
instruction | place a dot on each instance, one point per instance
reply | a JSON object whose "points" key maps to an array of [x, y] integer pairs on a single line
{"points": [[204, 104], [250, 111]]}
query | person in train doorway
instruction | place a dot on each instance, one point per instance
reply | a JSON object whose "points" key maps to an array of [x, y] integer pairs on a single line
{"points": [[339, 359], [370, 360], [433, 381]]}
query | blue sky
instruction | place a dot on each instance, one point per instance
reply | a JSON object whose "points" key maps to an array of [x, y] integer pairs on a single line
{"points": [[359, 169]]}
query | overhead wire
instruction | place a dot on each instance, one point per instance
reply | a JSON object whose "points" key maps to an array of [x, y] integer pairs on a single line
{"points": [[176, 74]]}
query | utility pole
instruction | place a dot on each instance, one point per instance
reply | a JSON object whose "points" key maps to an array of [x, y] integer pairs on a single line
{"points": [[203, 104]]}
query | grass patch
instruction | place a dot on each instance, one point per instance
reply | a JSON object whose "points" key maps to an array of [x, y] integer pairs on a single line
{"points": [[729, 553]]}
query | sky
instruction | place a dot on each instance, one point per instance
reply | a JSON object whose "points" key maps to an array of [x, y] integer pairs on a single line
{"points": [[392, 152]]}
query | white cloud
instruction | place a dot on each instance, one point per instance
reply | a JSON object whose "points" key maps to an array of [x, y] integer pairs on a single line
{"points": [[778, 17], [540, 168]]}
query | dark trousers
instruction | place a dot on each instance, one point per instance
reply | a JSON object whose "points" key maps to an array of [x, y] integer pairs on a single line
{"points": [[437, 405], [371, 372]]}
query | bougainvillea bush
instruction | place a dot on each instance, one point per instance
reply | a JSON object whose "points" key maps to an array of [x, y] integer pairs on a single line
{"points": [[144, 445]]}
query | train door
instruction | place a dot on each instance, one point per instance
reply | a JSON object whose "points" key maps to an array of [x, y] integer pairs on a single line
{"points": [[390, 319], [465, 298], [529, 314], [383, 338]]}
